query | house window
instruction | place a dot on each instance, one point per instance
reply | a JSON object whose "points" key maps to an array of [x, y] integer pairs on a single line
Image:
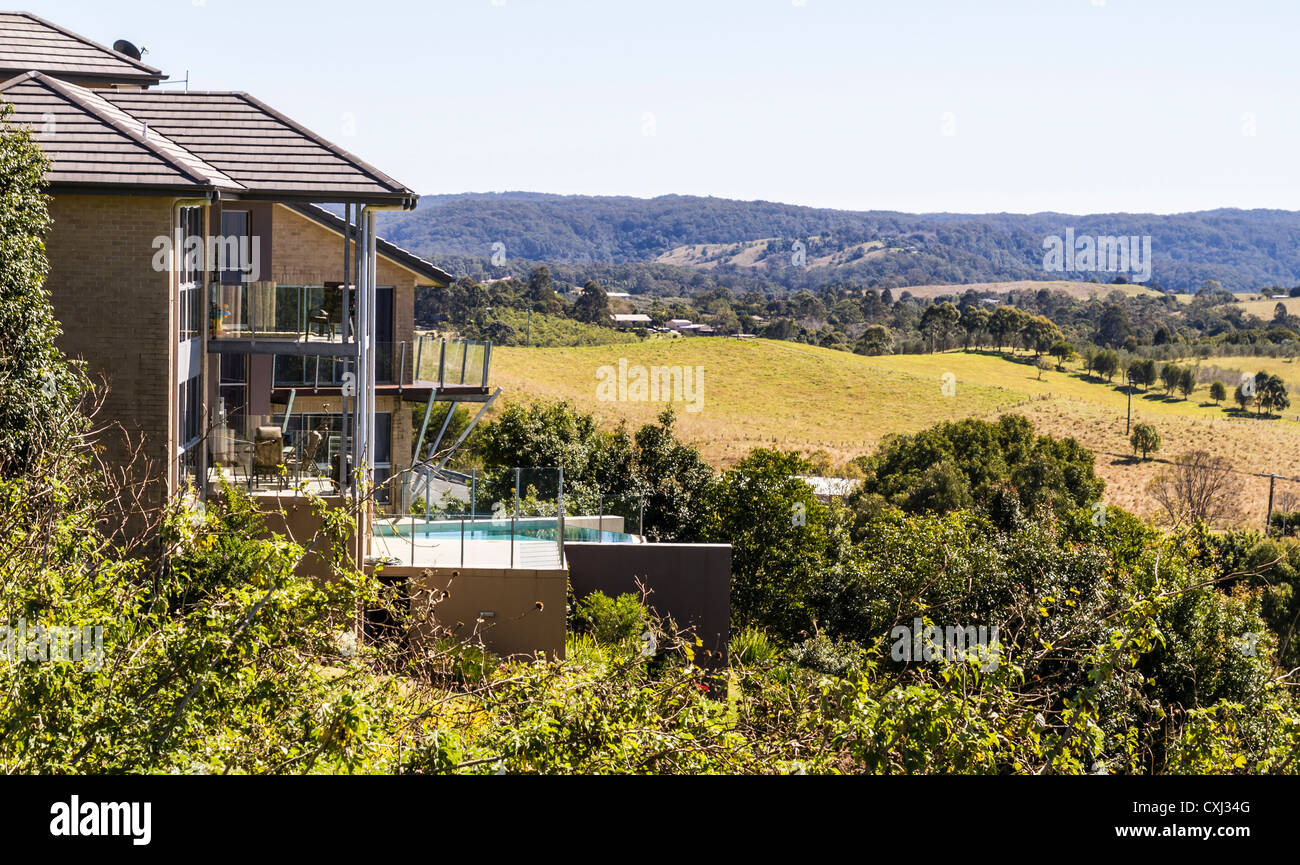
{"points": [[189, 260], [236, 229], [189, 426], [233, 391]]}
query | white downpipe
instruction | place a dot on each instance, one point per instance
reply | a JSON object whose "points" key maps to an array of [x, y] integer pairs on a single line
{"points": [[372, 292], [361, 403]]}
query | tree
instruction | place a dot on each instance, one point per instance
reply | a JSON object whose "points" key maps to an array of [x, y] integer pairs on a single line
{"points": [[1197, 488], [875, 340], [1062, 351], [1145, 438], [36, 383], [1218, 392], [938, 322], [949, 321], [1186, 381], [781, 540], [974, 320], [1043, 364], [920, 472], [1142, 372], [1005, 323], [592, 305], [1270, 393], [1113, 326], [1243, 399], [541, 291], [1169, 376], [1040, 333], [1106, 363]]}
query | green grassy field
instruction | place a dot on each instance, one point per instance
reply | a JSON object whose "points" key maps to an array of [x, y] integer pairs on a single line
{"points": [[780, 394]]}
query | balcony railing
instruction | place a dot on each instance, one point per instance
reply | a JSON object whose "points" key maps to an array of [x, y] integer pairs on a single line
{"points": [[423, 362], [270, 311], [448, 363]]}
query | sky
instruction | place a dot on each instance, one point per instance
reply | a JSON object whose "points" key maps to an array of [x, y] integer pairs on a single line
{"points": [[1077, 106]]}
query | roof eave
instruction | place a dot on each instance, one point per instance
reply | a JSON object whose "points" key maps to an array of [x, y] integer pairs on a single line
{"points": [[81, 187], [293, 196], [76, 78]]}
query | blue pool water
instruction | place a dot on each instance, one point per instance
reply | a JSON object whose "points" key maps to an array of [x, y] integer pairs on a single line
{"points": [[499, 530]]}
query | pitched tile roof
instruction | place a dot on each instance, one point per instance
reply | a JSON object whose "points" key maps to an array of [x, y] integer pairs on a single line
{"points": [[29, 43], [224, 142], [91, 142], [261, 148]]}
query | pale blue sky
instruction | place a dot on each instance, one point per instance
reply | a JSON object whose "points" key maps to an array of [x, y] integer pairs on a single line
{"points": [[1069, 105]]}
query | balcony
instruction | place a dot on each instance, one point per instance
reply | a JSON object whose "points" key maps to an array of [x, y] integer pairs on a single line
{"points": [[297, 319], [450, 369]]}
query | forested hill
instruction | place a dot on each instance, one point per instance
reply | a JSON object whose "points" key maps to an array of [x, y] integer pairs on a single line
{"points": [[1241, 249]]}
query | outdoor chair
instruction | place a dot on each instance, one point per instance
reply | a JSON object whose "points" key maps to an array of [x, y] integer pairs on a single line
{"points": [[268, 452]]}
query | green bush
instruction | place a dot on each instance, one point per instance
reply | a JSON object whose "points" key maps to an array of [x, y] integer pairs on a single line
{"points": [[834, 657], [611, 621], [752, 647]]}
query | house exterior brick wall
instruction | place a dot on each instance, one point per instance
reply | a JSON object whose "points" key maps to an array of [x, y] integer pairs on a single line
{"points": [[118, 314]]}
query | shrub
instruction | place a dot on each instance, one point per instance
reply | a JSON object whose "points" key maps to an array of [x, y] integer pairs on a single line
{"points": [[1145, 438], [752, 647], [611, 621], [834, 657]]}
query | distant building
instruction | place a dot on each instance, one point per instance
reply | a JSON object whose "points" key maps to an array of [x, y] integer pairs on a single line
{"points": [[635, 320], [697, 330], [827, 489]]}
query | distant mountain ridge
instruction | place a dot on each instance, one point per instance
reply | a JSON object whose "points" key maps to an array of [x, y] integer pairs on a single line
{"points": [[1241, 249]]}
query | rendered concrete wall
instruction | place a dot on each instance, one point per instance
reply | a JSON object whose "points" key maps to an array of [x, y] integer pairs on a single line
{"points": [[689, 583], [525, 607]]}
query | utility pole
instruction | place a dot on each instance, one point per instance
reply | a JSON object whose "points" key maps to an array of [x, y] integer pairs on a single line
{"points": [[1129, 420], [1268, 521]]}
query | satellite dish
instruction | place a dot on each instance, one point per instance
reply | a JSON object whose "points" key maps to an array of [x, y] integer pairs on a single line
{"points": [[121, 46]]}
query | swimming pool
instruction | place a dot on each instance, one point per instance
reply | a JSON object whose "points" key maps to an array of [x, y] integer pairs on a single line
{"points": [[524, 528]]}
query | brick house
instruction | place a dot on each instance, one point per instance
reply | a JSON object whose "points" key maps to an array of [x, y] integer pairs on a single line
{"points": [[245, 331], [216, 263]]}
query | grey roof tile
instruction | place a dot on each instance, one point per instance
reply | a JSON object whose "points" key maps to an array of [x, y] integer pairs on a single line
{"points": [[228, 142], [32, 44]]}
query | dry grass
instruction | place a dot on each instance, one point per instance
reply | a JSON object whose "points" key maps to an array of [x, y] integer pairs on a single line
{"points": [[1264, 308], [760, 393]]}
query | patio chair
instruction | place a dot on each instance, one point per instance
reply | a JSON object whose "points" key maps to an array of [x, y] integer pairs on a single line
{"points": [[305, 459], [268, 452]]}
